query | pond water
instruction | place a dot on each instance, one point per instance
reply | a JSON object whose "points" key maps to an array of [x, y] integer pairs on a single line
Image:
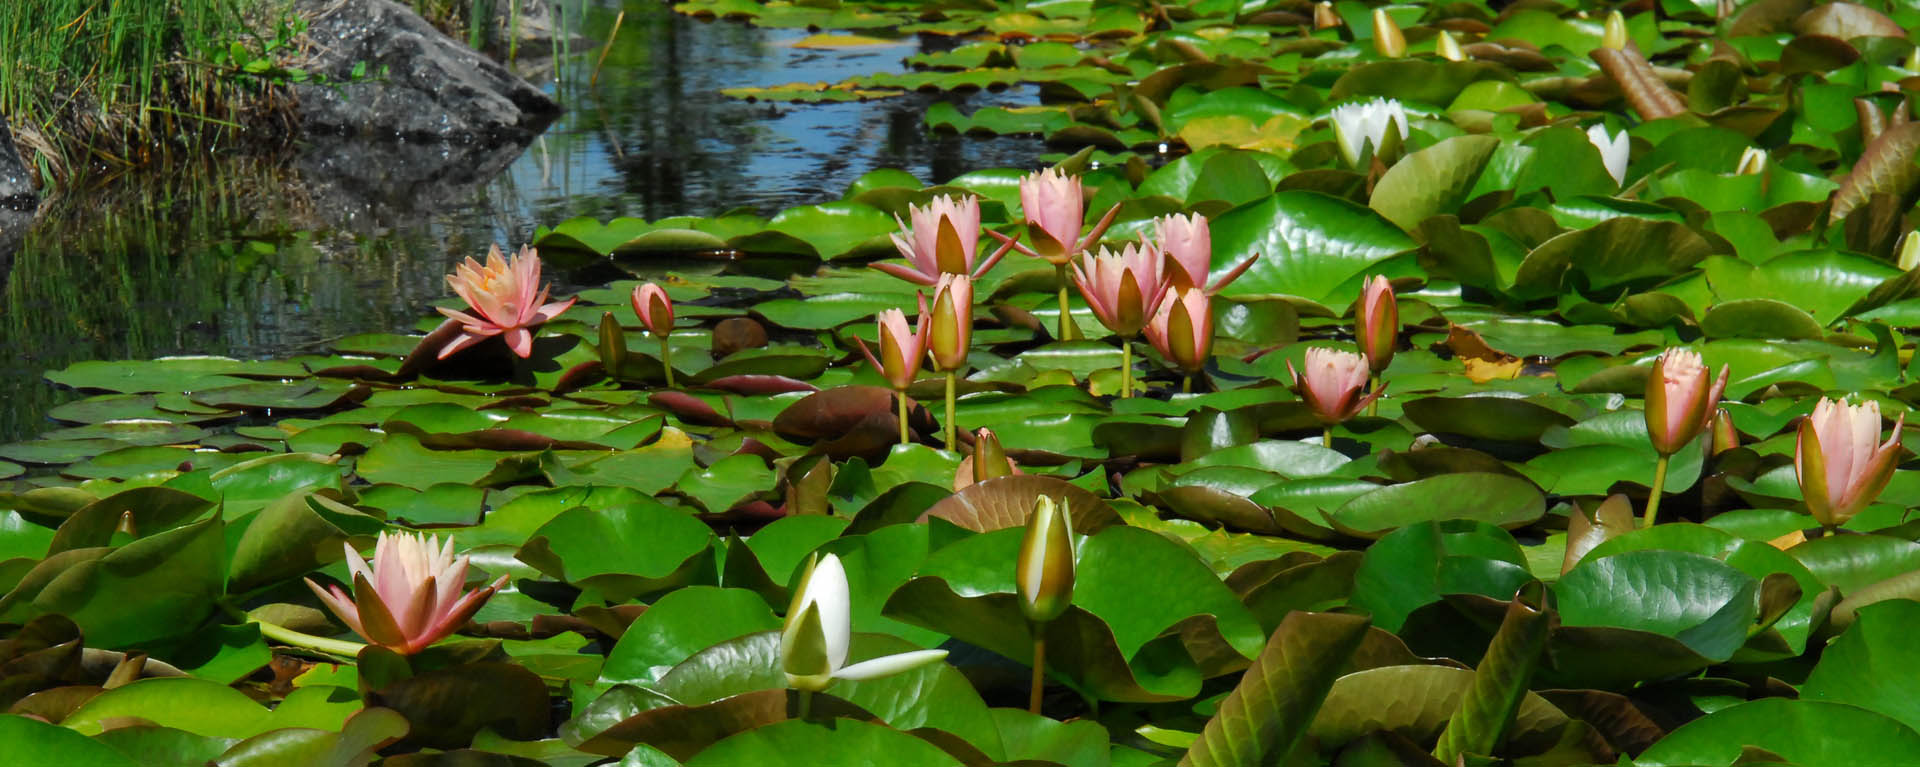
{"points": [[271, 257]]}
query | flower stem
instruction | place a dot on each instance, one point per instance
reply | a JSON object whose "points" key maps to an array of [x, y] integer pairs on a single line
{"points": [[953, 378], [806, 705], [1373, 408], [1326, 437], [1039, 667], [904, 433], [666, 360], [1126, 368], [1186, 384], [1659, 488], [1066, 315], [293, 638]]}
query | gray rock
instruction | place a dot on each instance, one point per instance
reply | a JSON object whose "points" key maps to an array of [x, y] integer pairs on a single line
{"points": [[529, 31], [418, 83], [16, 184]]}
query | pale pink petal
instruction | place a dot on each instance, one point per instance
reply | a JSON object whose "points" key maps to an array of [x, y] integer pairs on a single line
{"points": [[520, 341]]}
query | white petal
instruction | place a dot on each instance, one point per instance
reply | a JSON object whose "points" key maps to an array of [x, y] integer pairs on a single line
{"points": [[827, 590], [889, 665]]}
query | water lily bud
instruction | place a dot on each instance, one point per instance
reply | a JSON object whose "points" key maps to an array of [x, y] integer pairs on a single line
{"points": [[818, 629], [1055, 207], [1045, 574], [655, 309], [1448, 48], [1365, 129], [901, 350], [1123, 288], [1913, 60], [1725, 436], [1182, 330], [1910, 250], [1753, 161], [1680, 399], [1388, 41], [989, 458], [1615, 150], [1324, 17], [1614, 34], [950, 332], [1840, 469], [1377, 324], [1333, 384]]}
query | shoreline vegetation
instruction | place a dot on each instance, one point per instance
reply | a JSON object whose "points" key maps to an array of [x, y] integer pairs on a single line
{"points": [[91, 89]]}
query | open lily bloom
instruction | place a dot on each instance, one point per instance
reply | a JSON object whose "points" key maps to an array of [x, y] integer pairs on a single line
{"points": [[1055, 206], [1188, 243], [1124, 288], [1840, 461], [819, 628], [1368, 128], [1332, 384], [409, 596], [942, 238], [1614, 151], [507, 300]]}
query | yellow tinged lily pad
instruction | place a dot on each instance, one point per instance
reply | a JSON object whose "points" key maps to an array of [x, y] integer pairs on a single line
{"points": [[832, 41]]}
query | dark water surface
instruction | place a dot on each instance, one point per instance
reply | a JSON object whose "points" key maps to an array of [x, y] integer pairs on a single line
{"points": [[270, 257]]}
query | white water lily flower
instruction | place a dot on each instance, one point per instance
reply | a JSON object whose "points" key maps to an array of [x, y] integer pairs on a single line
{"points": [[1614, 151], [1753, 161], [813, 645], [1360, 124]]}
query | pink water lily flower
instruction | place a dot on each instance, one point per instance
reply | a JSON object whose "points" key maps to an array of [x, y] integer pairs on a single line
{"points": [[1124, 288], [1182, 330], [901, 349], [507, 300], [1835, 457], [949, 327], [1188, 243], [1333, 384], [943, 238], [409, 596], [654, 308], [1681, 399], [1055, 206]]}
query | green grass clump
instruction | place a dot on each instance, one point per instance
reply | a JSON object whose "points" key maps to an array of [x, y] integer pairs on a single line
{"points": [[125, 82]]}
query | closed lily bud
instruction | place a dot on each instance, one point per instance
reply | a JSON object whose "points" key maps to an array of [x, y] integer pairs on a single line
{"points": [[1614, 151], [1614, 34], [1333, 384], [1680, 399], [1840, 469], [1324, 17], [654, 308], [1725, 436], [1123, 288], [1752, 162], [1365, 129], [989, 458], [819, 628], [950, 330], [1377, 324], [1055, 207], [1448, 48], [1182, 330], [1387, 38], [901, 350], [1188, 243], [1045, 574], [1910, 251]]}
